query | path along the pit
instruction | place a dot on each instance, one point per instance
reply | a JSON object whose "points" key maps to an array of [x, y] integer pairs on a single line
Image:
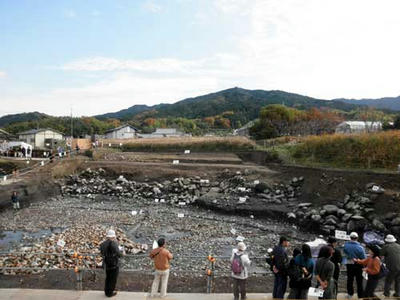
{"points": [[33, 294]]}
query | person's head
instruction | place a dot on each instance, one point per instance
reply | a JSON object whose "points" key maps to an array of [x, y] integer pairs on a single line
{"points": [[390, 239], [161, 242], [306, 251], [373, 250], [354, 236], [332, 241], [111, 234], [325, 252], [296, 252], [241, 246], [283, 241], [15, 193]]}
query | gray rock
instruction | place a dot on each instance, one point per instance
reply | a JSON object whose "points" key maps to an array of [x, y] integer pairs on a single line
{"points": [[304, 205], [395, 222], [378, 225], [316, 218], [330, 209], [341, 212]]}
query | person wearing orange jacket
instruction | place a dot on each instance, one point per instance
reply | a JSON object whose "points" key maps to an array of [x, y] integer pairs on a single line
{"points": [[372, 266], [161, 257]]}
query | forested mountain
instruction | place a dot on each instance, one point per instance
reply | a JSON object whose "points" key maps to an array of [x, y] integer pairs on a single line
{"points": [[32, 116], [390, 103], [245, 104]]}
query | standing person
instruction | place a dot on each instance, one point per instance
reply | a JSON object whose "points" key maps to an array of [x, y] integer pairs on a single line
{"points": [[280, 263], [304, 267], [240, 263], [336, 259], [354, 250], [391, 252], [15, 200], [372, 266], [324, 270], [161, 257], [110, 251]]}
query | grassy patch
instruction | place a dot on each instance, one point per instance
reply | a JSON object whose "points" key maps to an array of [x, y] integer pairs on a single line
{"points": [[370, 151], [204, 144]]}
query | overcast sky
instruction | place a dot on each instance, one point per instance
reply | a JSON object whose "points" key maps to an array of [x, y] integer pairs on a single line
{"points": [[98, 56]]}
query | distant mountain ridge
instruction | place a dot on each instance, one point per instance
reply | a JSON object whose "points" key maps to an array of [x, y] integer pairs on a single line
{"points": [[244, 104], [391, 103]]}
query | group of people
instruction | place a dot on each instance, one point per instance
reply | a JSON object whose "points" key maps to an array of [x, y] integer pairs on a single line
{"points": [[359, 264], [112, 252], [299, 270]]}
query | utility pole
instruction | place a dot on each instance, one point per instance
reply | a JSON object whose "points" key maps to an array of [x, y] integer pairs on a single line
{"points": [[72, 127]]}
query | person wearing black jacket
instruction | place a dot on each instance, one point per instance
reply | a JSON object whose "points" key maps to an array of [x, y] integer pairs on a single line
{"points": [[111, 253], [280, 263], [336, 259]]}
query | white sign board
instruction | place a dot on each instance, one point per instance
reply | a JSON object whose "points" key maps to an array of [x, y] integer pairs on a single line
{"points": [[175, 162], [256, 181], [156, 200], [5, 178], [134, 212], [181, 215], [375, 188], [60, 243], [182, 203], [204, 181], [240, 238], [162, 201], [241, 189], [187, 151], [315, 292], [242, 199], [342, 235], [42, 163]]}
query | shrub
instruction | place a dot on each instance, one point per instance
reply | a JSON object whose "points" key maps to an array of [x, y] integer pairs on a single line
{"points": [[373, 150], [88, 153]]}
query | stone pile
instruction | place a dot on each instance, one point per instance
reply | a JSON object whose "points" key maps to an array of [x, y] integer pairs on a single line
{"points": [[65, 250], [181, 191], [354, 213]]}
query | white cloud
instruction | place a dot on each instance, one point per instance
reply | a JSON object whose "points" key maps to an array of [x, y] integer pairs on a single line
{"points": [[152, 6], [70, 14], [3, 74], [233, 6]]}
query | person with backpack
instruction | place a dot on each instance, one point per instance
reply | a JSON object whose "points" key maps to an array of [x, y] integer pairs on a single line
{"points": [[300, 274], [354, 250], [280, 263], [293, 273], [161, 257], [391, 252], [111, 253], [15, 200], [240, 263], [372, 266], [324, 270]]}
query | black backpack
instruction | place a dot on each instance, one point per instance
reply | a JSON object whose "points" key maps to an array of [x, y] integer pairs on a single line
{"points": [[295, 272]]}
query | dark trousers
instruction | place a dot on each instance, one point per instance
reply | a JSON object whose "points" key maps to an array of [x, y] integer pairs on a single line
{"points": [[280, 283], [111, 281], [390, 277], [296, 293], [372, 283], [354, 271], [239, 284]]}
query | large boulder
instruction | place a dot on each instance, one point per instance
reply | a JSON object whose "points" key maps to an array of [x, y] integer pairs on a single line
{"points": [[357, 223], [330, 209]]}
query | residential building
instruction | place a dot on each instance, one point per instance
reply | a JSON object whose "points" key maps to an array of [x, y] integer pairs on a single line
{"points": [[44, 138], [122, 132]]}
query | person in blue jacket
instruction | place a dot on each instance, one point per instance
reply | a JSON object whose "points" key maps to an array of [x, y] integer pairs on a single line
{"points": [[354, 250]]}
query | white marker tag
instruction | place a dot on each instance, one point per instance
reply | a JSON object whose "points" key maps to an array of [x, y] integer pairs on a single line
{"points": [[342, 235], [175, 162], [60, 243], [187, 151], [181, 215], [256, 181], [182, 203], [156, 200], [162, 201]]}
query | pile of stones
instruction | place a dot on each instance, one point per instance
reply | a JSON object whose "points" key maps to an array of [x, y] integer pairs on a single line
{"points": [[181, 190], [354, 213], [65, 250]]}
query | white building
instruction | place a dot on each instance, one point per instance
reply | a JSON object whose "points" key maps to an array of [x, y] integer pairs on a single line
{"points": [[122, 132], [358, 127], [41, 138], [163, 133], [244, 131]]}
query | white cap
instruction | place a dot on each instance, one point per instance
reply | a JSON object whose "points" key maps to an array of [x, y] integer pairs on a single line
{"points": [[390, 239], [354, 235], [110, 233], [241, 246]]}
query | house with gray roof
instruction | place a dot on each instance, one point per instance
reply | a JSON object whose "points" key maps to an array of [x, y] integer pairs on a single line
{"points": [[122, 132], [44, 138]]}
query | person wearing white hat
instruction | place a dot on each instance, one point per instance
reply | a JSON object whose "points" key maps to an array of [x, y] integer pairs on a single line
{"points": [[353, 250], [110, 251], [240, 263], [391, 252]]}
